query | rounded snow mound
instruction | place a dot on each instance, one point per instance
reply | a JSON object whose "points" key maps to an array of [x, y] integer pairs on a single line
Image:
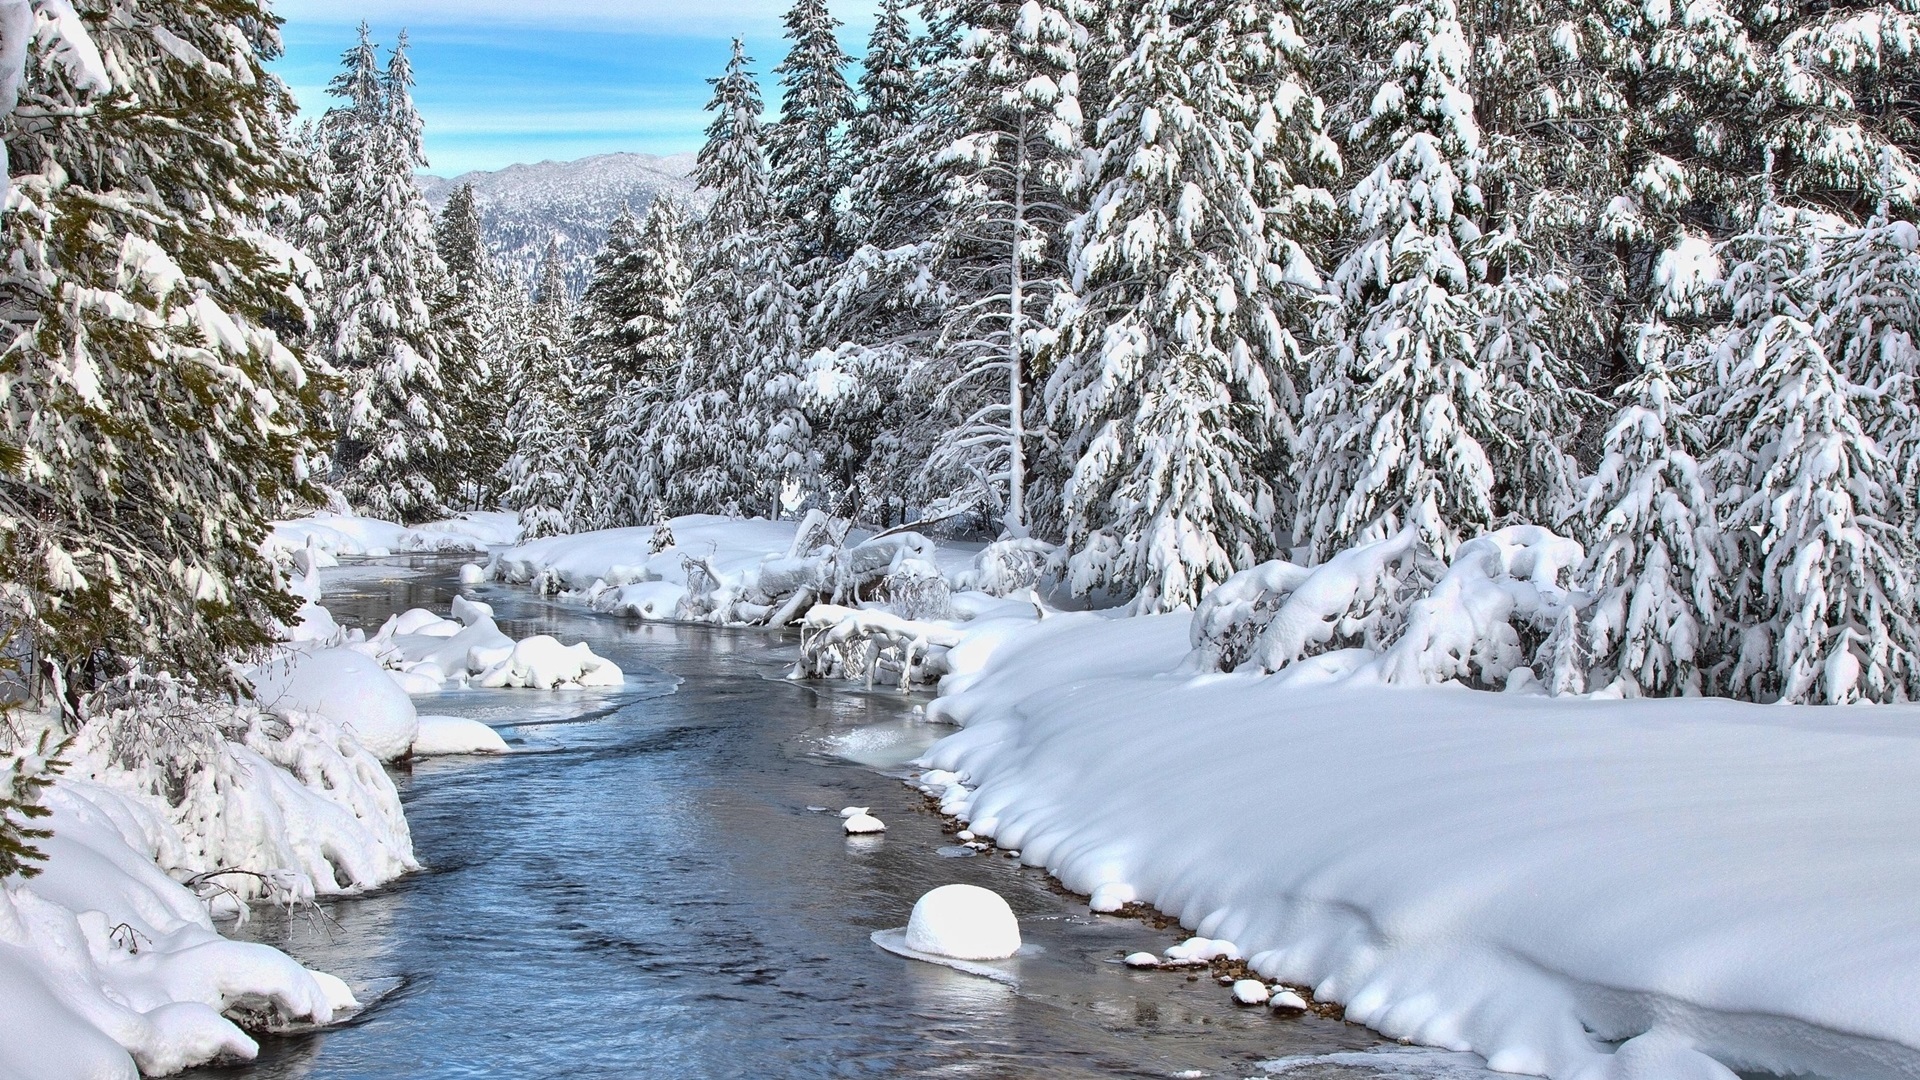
{"points": [[963, 922], [447, 736], [348, 688]]}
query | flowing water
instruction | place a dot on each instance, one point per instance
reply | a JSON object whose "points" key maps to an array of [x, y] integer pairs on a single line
{"points": [[643, 892]]}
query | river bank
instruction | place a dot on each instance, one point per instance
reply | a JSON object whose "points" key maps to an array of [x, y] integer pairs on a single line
{"points": [[641, 890]]}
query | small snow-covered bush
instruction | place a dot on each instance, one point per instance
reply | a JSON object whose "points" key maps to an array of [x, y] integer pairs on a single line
{"points": [[256, 805], [1277, 613], [1486, 616], [1006, 567], [1503, 588]]}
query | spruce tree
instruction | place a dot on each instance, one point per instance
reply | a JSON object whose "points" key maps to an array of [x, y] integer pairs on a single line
{"points": [[880, 311], [806, 148], [1189, 268], [1652, 539], [546, 474], [378, 260], [466, 318], [1821, 593], [1868, 305], [1399, 420], [735, 434], [633, 324], [1013, 91], [154, 415]]}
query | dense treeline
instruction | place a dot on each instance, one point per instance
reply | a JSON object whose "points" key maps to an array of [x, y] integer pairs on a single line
{"points": [[1182, 285]]}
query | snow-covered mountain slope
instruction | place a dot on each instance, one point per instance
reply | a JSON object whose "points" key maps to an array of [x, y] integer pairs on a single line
{"points": [[522, 205]]}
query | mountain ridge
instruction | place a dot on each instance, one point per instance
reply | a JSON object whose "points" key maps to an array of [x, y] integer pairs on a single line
{"points": [[524, 204]]}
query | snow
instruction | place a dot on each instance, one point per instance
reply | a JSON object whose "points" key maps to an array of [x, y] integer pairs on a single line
{"points": [[346, 687], [473, 574], [1250, 992], [108, 966], [1203, 950], [897, 606], [1288, 1000], [426, 654], [338, 535], [963, 922], [1711, 885], [863, 825], [1141, 960], [450, 735]]}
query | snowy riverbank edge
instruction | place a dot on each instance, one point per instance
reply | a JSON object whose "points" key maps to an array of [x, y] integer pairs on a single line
{"points": [[112, 963], [1581, 889]]}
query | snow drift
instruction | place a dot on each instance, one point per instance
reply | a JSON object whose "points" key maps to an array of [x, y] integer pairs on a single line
{"points": [[1571, 887]]}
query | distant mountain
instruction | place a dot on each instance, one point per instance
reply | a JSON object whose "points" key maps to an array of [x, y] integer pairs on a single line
{"points": [[521, 206]]}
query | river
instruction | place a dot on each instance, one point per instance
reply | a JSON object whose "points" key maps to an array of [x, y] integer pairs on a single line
{"points": [[643, 891]]}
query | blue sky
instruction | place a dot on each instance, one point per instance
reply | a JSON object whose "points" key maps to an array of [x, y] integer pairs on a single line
{"points": [[505, 81]]}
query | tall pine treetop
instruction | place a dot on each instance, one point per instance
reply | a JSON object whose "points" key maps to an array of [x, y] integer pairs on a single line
{"points": [[358, 82], [808, 166], [403, 119], [886, 80], [733, 162]]}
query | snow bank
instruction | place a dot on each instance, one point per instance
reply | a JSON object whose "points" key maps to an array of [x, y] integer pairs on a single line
{"points": [[108, 967], [755, 572], [1707, 884], [426, 654], [444, 736], [336, 535], [347, 687]]}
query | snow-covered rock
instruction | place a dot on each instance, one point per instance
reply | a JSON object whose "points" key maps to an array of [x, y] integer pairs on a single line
{"points": [[473, 574], [863, 825], [964, 922], [424, 653], [442, 736], [1288, 1001], [109, 968], [542, 663], [1141, 960], [1250, 992], [347, 687]]}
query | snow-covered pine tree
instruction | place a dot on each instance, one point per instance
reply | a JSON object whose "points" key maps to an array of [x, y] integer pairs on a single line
{"points": [[1529, 335], [879, 311], [1821, 594], [1189, 268], [644, 294], [378, 260], [153, 420], [806, 149], [1013, 91], [466, 318], [1399, 420], [1868, 302], [599, 330], [735, 434], [546, 474], [1651, 536], [889, 87]]}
